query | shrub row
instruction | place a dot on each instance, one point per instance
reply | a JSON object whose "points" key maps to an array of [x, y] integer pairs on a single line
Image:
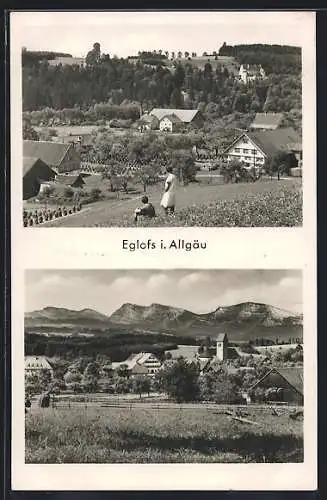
{"points": [[34, 217]]}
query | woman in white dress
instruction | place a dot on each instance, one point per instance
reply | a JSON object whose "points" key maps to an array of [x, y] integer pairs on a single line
{"points": [[168, 200]]}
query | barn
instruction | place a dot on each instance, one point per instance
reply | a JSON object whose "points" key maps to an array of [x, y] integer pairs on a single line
{"points": [[74, 181], [279, 385], [60, 157], [35, 172]]}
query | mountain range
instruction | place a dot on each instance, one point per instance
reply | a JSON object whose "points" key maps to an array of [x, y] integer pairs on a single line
{"points": [[240, 321]]}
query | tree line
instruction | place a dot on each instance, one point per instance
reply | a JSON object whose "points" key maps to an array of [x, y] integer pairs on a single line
{"points": [[117, 81]]}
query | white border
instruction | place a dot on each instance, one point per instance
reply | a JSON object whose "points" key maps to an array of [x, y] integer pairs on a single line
{"points": [[66, 248]]}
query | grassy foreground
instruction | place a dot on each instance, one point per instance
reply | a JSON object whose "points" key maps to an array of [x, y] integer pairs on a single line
{"points": [[266, 203], [145, 435]]}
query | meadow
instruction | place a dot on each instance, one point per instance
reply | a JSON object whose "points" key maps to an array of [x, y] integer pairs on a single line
{"points": [[266, 203], [143, 434]]}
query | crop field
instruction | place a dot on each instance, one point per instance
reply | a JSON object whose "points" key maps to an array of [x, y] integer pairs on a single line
{"points": [[266, 203], [143, 434]]}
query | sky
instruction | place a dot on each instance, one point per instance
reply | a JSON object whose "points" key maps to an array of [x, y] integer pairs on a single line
{"points": [[199, 291], [125, 33]]}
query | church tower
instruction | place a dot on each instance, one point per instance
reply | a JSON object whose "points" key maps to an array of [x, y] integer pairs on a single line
{"points": [[221, 347]]}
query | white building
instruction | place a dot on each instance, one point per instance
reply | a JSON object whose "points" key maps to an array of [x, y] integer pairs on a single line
{"points": [[254, 148], [35, 365], [251, 72], [170, 123], [221, 347], [146, 360]]}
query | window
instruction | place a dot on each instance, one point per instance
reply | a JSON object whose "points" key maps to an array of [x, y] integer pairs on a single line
{"points": [[245, 151], [237, 150]]}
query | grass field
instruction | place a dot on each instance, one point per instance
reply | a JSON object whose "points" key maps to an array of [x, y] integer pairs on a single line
{"points": [[146, 435], [206, 203]]}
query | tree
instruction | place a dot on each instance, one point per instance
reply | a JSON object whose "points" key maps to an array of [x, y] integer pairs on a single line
{"points": [[278, 163], [224, 390], [180, 380], [141, 385], [45, 379], [123, 371], [184, 166], [29, 133], [90, 377]]}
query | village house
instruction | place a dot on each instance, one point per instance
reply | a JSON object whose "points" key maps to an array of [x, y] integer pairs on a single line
{"points": [[251, 72], [74, 181], [278, 385], [58, 156], [35, 173], [254, 148], [185, 117], [148, 122], [266, 121], [142, 363], [36, 365], [170, 123]]}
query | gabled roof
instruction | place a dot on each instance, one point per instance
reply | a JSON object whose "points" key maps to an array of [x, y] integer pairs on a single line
{"points": [[173, 118], [68, 180], [293, 375], [185, 115], [221, 337], [37, 362], [29, 162], [269, 141], [267, 120], [51, 153], [272, 141]]}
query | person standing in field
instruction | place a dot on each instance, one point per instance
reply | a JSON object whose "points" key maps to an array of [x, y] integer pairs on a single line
{"points": [[168, 200]]}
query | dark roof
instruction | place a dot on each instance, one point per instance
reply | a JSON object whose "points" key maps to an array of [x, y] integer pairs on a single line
{"points": [[173, 118], [29, 162], [68, 179], [293, 375], [263, 120], [51, 153], [272, 141], [221, 337], [185, 115]]}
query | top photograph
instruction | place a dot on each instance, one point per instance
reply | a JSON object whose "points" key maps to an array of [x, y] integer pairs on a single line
{"points": [[162, 119]]}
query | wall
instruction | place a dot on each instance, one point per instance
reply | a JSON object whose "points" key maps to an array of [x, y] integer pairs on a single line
{"points": [[237, 153], [31, 181]]}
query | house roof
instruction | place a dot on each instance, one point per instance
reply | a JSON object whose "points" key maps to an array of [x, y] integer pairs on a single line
{"points": [[37, 362], [173, 118], [148, 118], [267, 120], [29, 162], [133, 360], [68, 180], [272, 141], [185, 115], [269, 141], [293, 375], [221, 337], [51, 153]]}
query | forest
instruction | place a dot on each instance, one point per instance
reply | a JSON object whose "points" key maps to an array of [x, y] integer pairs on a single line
{"points": [[113, 87]]}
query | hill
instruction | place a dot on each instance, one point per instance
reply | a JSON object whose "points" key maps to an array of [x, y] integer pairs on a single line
{"points": [[241, 322]]}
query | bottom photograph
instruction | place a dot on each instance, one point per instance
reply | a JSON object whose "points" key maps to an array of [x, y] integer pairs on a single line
{"points": [[152, 366]]}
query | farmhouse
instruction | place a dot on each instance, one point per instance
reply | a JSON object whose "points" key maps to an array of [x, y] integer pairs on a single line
{"points": [[170, 123], [74, 181], [35, 173], [266, 121], [141, 363], [251, 72], [60, 157], [282, 384], [186, 116], [36, 365], [148, 122], [254, 148]]}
